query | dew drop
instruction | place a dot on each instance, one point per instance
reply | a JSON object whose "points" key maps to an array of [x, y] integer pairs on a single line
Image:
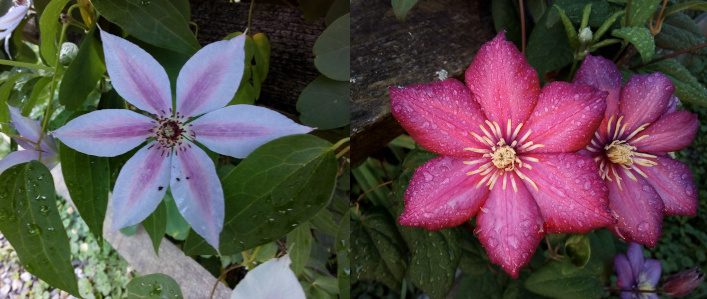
{"points": [[587, 185], [44, 210], [643, 226]]}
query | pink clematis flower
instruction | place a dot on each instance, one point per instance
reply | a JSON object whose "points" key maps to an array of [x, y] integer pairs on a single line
{"points": [[507, 151], [205, 84], [639, 128], [30, 130], [10, 20]]}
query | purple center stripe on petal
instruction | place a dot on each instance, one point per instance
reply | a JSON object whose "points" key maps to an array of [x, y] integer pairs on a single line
{"points": [[112, 133], [228, 129]]}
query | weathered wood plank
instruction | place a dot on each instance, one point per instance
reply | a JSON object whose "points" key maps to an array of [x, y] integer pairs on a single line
{"points": [[438, 36]]}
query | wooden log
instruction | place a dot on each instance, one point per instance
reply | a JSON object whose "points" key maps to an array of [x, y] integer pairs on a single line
{"points": [[438, 37]]}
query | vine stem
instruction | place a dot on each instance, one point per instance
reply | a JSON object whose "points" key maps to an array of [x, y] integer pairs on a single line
{"points": [[250, 14], [22, 138], [223, 276], [373, 189], [27, 65], [522, 25]]}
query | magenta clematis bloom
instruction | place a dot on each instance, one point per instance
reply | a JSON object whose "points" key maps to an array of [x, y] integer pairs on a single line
{"points": [[508, 151], [30, 130], [10, 20], [639, 128], [205, 84], [636, 273]]}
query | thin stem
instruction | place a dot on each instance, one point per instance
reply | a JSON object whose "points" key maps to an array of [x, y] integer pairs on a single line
{"points": [[196, 28], [628, 12], [618, 54], [22, 138], [222, 276], [27, 65], [250, 15], [617, 290], [343, 151], [572, 70], [373, 189], [522, 25], [671, 55], [340, 142], [52, 86]]}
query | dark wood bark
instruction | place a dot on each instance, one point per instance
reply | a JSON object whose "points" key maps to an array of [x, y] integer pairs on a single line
{"points": [[437, 36]]}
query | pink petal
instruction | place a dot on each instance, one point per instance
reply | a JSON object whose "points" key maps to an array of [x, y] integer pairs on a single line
{"points": [[237, 130], [673, 182], [670, 133], [210, 78], [565, 117], [604, 75], [571, 195], [637, 208], [440, 116], [441, 195], [12, 18], [17, 157], [31, 129], [644, 99], [136, 76], [510, 226], [197, 191], [140, 186], [503, 82], [106, 133]]}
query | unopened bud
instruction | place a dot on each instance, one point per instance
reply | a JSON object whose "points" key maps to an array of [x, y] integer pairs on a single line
{"points": [[68, 53], [585, 35], [680, 284]]}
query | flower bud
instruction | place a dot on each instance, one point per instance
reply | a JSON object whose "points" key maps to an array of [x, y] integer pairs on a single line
{"points": [[680, 284], [68, 53], [585, 35]]}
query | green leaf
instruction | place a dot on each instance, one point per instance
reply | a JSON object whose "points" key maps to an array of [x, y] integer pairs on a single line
{"points": [[487, 285], [679, 32], [575, 11], [687, 88], [156, 225], [548, 48], [83, 73], [332, 50], [569, 28], [506, 16], [314, 9], [39, 89], [261, 55], [641, 11], [641, 38], [299, 243], [196, 245], [5, 90], [322, 221], [50, 28], [342, 245], [537, 8], [550, 281], [88, 180], [31, 223], [337, 9], [379, 253], [279, 186], [696, 5], [325, 104], [156, 285], [21, 51], [401, 8], [177, 227], [157, 22], [474, 260], [577, 250]]}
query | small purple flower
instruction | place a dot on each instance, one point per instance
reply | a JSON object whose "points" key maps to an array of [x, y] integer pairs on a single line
{"points": [[636, 273], [30, 130], [13, 17], [206, 83]]}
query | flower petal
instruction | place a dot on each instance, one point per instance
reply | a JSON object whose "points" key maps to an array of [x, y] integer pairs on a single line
{"points": [[30, 129], [141, 185], [644, 99], [571, 195], [624, 273], [211, 77], [440, 116], [652, 270], [197, 191], [510, 226], [637, 207], [272, 279], [441, 195], [17, 157], [604, 75], [503, 82], [13, 17], [670, 133], [565, 117], [106, 133], [673, 182], [237, 130], [634, 253], [136, 76]]}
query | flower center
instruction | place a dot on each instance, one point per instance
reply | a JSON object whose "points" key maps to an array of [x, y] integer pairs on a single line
{"points": [[620, 152], [171, 132], [505, 157]]}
